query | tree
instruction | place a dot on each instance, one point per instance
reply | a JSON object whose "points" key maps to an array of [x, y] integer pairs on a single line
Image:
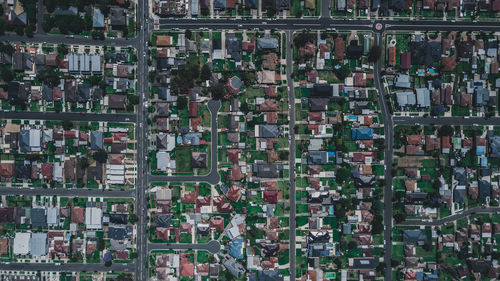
{"points": [[125, 277], [427, 246], [342, 175], [49, 76], [100, 244], [67, 125], [2, 26], [108, 263], [132, 218], [399, 217], [218, 91], [133, 99], [206, 73], [98, 35], [375, 53], [381, 267], [352, 245], [188, 34], [28, 30], [445, 130], [182, 102], [83, 162], [62, 49], [101, 156], [7, 75]]}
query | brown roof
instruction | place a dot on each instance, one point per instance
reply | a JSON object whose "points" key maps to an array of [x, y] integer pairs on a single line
{"points": [[392, 56], [405, 60], [69, 168], [234, 193], [116, 101], [272, 156], [193, 109], [163, 40], [6, 170], [415, 139], [77, 215], [340, 47]]}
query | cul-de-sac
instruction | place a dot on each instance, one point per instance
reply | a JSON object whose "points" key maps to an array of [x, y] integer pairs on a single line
{"points": [[251, 140]]}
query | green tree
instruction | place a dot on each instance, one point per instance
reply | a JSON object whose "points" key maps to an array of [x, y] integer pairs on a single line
{"points": [[100, 244], [101, 156], [182, 102], [62, 49], [83, 162], [374, 54], [7, 75], [188, 34], [352, 245], [206, 73], [67, 125], [49, 76], [132, 218], [28, 30], [342, 175], [218, 91], [125, 277]]}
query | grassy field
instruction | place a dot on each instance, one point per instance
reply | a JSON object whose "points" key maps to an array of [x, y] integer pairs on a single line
{"points": [[183, 159]]}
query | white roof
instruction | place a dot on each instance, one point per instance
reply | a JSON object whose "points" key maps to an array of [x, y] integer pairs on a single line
{"points": [[35, 139], [93, 218], [22, 243], [52, 214]]}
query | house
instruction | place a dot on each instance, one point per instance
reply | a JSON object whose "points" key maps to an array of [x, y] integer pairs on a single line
{"points": [[38, 244], [198, 160], [93, 218], [266, 131], [98, 19], [116, 101], [267, 43], [414, 236], [118, 17]]}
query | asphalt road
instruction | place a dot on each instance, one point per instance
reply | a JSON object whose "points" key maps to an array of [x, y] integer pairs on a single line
{"points": [[68, 267], [67, 40], [452, 218], [213, 246], [213, 177], [71, 116], [388, 130], [291, 128], [69, 192], [142, 187], [471, 121]]}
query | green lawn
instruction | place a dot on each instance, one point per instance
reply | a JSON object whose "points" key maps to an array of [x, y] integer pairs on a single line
{"points": [[183, 159]]}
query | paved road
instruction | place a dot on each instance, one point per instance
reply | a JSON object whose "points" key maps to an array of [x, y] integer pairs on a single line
{"points": [[65, 39], [141, 272], [213, 246], [71, 116], [69, 267], [213, 177], [388, 130], [471, 121], [291, 163], [69, 192], [324, 23], [452, 218]]}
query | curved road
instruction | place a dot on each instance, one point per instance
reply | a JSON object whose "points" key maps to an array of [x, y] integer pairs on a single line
{"points": [[213, 177]]}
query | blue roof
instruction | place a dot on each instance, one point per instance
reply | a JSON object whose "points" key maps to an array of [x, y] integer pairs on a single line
{"points": [[235, 248], [362, 134], [107, 257], [484, 161], [98, 19], [480, 150]]}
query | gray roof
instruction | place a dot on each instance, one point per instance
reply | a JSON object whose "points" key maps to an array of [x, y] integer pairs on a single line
{"points": [[266, 170], [47, 93], [423, 97], [405, 98], [414, 235], [83, 94], [268, 131], [98, 19], [484, 189], [38, 217], [24, 141], [459, 175], [494, 146], [96, 138], [72, 10], [363, 263], [459, 194], [38, 244], [192, 138], [402, 81], [232, 266], [117, 17], [317, 157], [481, 96], [267, 43]]}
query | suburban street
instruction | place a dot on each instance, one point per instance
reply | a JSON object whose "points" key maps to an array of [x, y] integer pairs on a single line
{"points": [[140, 119], [291, 163], [388, 131], [110, 193], [71, 116], [68, 267], [212, 246], [462, 214]]}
